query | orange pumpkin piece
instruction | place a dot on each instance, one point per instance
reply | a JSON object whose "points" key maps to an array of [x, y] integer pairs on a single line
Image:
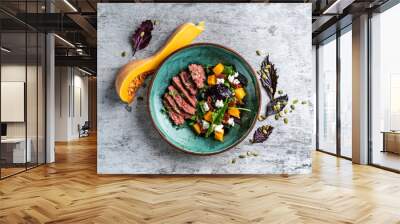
{"points": [[219, 135], [211, 80], [218, 69], [240, 93], [197, 128], [208, 116], [234, 112]]}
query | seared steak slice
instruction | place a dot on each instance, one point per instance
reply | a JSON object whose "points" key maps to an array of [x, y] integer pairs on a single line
{"points": [[175, 117], [198, 75], [171, 103], [189, 85], [182, 104], [178, 84]]}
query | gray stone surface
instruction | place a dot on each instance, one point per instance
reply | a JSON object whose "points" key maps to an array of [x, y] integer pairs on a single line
{"points": [[128, 143]]}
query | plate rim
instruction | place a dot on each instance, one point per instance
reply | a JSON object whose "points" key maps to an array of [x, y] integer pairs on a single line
{"points": [[257, 90]]}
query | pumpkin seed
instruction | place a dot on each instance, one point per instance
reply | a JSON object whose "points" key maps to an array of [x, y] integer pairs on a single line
{"points": [[280, 92], [285, 120], [258, 52], [248, 153], [292, 107], [295, 101], [242, 156], [254, 153], [123, 53], [128, 108], [303, 102], [261, 117], [276, 116], [233, 160], [264, 76]]}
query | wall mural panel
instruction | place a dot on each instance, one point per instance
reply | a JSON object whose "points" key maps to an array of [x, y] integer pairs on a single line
{"points": [[205, 98]]}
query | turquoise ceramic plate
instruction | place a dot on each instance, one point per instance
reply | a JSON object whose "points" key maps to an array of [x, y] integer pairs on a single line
{"points": [[184, 138]]}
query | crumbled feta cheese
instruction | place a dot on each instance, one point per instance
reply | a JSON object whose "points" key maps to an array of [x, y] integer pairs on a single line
{"points": [[236, 81], [219, 128], [220, 81], [231, 122], [206, 107], [231, 78], [219, 103], [236, 74], [205, 124]]}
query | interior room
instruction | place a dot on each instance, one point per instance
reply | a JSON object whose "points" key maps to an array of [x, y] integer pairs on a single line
{"points": [[204, 111]]}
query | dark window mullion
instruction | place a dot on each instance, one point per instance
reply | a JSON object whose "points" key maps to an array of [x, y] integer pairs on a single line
{"points": [[338, 82], [37, 91], [26, 87], [0, 93], [317, 96]]}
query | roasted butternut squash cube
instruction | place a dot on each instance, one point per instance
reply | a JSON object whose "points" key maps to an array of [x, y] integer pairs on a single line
{"points": [[240, 93], [211, 80], [208, 116], [219, 135], [218, 69], [234, 112], [197, 128]]}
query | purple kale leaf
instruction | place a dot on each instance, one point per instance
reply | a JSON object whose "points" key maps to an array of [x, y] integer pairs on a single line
{"points": [[262, 133], [268, 77], [276, 105], [219, 92], [142, 36]]}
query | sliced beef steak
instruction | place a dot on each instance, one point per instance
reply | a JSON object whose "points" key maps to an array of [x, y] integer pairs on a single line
{"points": [[198, 75], [189, 85], [178, 84], [175, 117], [182, 104], [171, 103]]}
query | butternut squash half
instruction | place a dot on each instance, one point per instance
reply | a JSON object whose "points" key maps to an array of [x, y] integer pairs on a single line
{"points": [[132, 75]]}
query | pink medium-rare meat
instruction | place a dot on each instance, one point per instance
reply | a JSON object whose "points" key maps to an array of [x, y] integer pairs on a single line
{"points": [[182, 104], [171, 103], [175, 117], [198, 75], [189, 85], [178, 84]]}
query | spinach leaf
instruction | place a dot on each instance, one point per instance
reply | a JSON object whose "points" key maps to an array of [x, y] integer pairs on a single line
{"points": [[219, 115], [228, 69]]}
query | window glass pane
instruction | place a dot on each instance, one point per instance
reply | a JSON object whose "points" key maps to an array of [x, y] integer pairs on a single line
{"points": [[346, 94], [13, 86], [327, 96], [385, 84], [41, 98], [31, 97]]}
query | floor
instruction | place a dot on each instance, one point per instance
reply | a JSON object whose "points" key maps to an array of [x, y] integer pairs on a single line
{"points": [[5, 172], [10, 171], [70, 191]]}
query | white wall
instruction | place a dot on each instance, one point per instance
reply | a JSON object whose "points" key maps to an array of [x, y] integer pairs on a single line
{"points": [[71, 102]]}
